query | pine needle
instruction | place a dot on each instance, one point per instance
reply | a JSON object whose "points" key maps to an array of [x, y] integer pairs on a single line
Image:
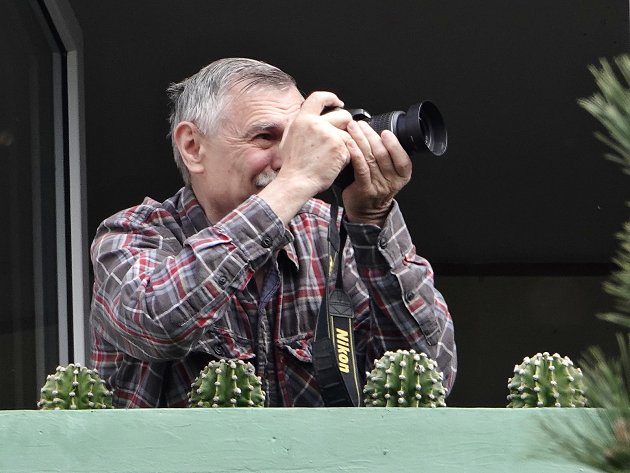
{"points": [[600, 438], [611, 107]]}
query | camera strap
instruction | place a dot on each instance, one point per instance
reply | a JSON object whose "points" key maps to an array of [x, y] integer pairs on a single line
{"points": [[334, 358]]}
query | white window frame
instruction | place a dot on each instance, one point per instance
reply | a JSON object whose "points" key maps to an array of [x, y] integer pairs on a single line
{"points": [[73, 271]]}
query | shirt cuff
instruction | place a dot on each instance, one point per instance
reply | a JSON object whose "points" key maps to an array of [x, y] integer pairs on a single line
{"points": [[380, 247], [256, 230]]}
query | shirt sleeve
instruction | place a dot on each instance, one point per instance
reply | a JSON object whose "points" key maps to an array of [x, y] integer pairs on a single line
{"points": [[403, 307], [155, 292]]}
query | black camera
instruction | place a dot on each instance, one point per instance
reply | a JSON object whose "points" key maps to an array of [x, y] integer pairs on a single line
{"points": [[420, 129]]}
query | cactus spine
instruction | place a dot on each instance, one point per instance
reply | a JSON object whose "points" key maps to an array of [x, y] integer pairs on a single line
{"points": [[404, 379], [546, 380], [74, 387], [231, 383]]}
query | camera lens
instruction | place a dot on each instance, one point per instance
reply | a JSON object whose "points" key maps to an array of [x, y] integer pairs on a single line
{"points": [[420, 129]]}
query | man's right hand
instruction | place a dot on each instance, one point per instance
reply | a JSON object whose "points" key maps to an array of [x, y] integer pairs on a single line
{"points": [[314, 146], [314, 149]]}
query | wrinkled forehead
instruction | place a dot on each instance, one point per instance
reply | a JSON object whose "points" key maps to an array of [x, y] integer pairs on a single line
{"points": [[246, 90], [249, 102]]}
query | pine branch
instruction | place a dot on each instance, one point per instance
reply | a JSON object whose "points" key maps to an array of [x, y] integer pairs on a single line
{"points": [[611, 107], [600, 438], [618, 284]]}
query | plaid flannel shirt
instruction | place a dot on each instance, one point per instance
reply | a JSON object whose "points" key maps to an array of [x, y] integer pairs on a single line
{"points": [[173, 291]]}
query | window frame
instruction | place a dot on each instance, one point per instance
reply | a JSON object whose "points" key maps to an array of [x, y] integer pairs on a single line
{"points": [[70, 182]]}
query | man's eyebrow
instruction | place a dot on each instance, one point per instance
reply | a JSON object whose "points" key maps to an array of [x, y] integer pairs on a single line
{"points": [[257, 127]]}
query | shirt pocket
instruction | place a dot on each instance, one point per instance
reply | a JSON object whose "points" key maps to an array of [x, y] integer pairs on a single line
{"points": [[222, 343], [297, 371], [299, 347]]}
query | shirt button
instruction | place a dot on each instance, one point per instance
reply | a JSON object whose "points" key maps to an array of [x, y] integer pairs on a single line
{"points": [[409, 296], [222, 281], [382, 243], [266, 242], [219, 350]]}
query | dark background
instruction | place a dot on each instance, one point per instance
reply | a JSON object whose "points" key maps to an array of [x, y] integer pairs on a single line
{"points": [[518, 218]]}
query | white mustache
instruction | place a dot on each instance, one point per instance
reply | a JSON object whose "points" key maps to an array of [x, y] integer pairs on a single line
{"points": [[264, 178]]}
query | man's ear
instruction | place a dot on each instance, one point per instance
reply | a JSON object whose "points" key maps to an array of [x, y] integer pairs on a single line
{"points": [[188, 140]]}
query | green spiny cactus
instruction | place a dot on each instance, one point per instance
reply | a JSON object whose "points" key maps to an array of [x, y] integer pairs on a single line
{"points": [[404, 379], [74, 387], [546, 380], [231, 383]]}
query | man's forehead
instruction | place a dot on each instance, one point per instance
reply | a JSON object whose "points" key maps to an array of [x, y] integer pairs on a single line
{"points": [[247, 91], [259, 108], [263, 100]]}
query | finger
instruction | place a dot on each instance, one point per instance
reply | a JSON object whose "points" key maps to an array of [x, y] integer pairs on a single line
{"points": [[359, 164], [339, 118], [359, 136], [400, 158], [378, 151], [366, 168], [354, 152], [317, 101], [344, 141]]}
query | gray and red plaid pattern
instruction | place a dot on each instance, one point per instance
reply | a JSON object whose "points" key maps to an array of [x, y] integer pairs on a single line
{"points": [[172, 291]]}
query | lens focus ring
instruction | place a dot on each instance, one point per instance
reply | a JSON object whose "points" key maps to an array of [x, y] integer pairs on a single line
{"points": [[385, 121]]}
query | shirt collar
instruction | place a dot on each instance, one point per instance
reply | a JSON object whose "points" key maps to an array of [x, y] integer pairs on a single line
{"points": [[192, 211]]}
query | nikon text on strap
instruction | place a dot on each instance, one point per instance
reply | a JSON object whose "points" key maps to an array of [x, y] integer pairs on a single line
{"points": [[334, 357]]}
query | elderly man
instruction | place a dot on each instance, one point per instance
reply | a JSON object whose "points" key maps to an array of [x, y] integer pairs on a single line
{"points": [[233, 265]]}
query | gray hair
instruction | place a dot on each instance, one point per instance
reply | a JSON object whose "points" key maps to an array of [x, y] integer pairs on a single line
{"points": [[202, 98]]}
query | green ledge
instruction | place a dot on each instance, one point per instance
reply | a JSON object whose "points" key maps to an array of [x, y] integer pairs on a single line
{"points": [[284, 440]]}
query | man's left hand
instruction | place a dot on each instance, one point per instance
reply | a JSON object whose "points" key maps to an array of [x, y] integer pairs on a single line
{"points": [[381, 168]]}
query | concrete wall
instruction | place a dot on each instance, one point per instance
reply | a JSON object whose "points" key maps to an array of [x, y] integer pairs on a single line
{"points": [[370, 440]]}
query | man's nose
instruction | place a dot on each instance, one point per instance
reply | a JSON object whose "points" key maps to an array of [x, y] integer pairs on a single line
{"points": [[276, 160]]}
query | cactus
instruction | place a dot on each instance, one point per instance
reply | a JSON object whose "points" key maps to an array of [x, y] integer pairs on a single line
{"points": [[74, 387], [546, 380], [404, 379], [231, 383]]}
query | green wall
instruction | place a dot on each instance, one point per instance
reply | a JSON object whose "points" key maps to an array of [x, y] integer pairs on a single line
{"points": [[370, 440]]}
